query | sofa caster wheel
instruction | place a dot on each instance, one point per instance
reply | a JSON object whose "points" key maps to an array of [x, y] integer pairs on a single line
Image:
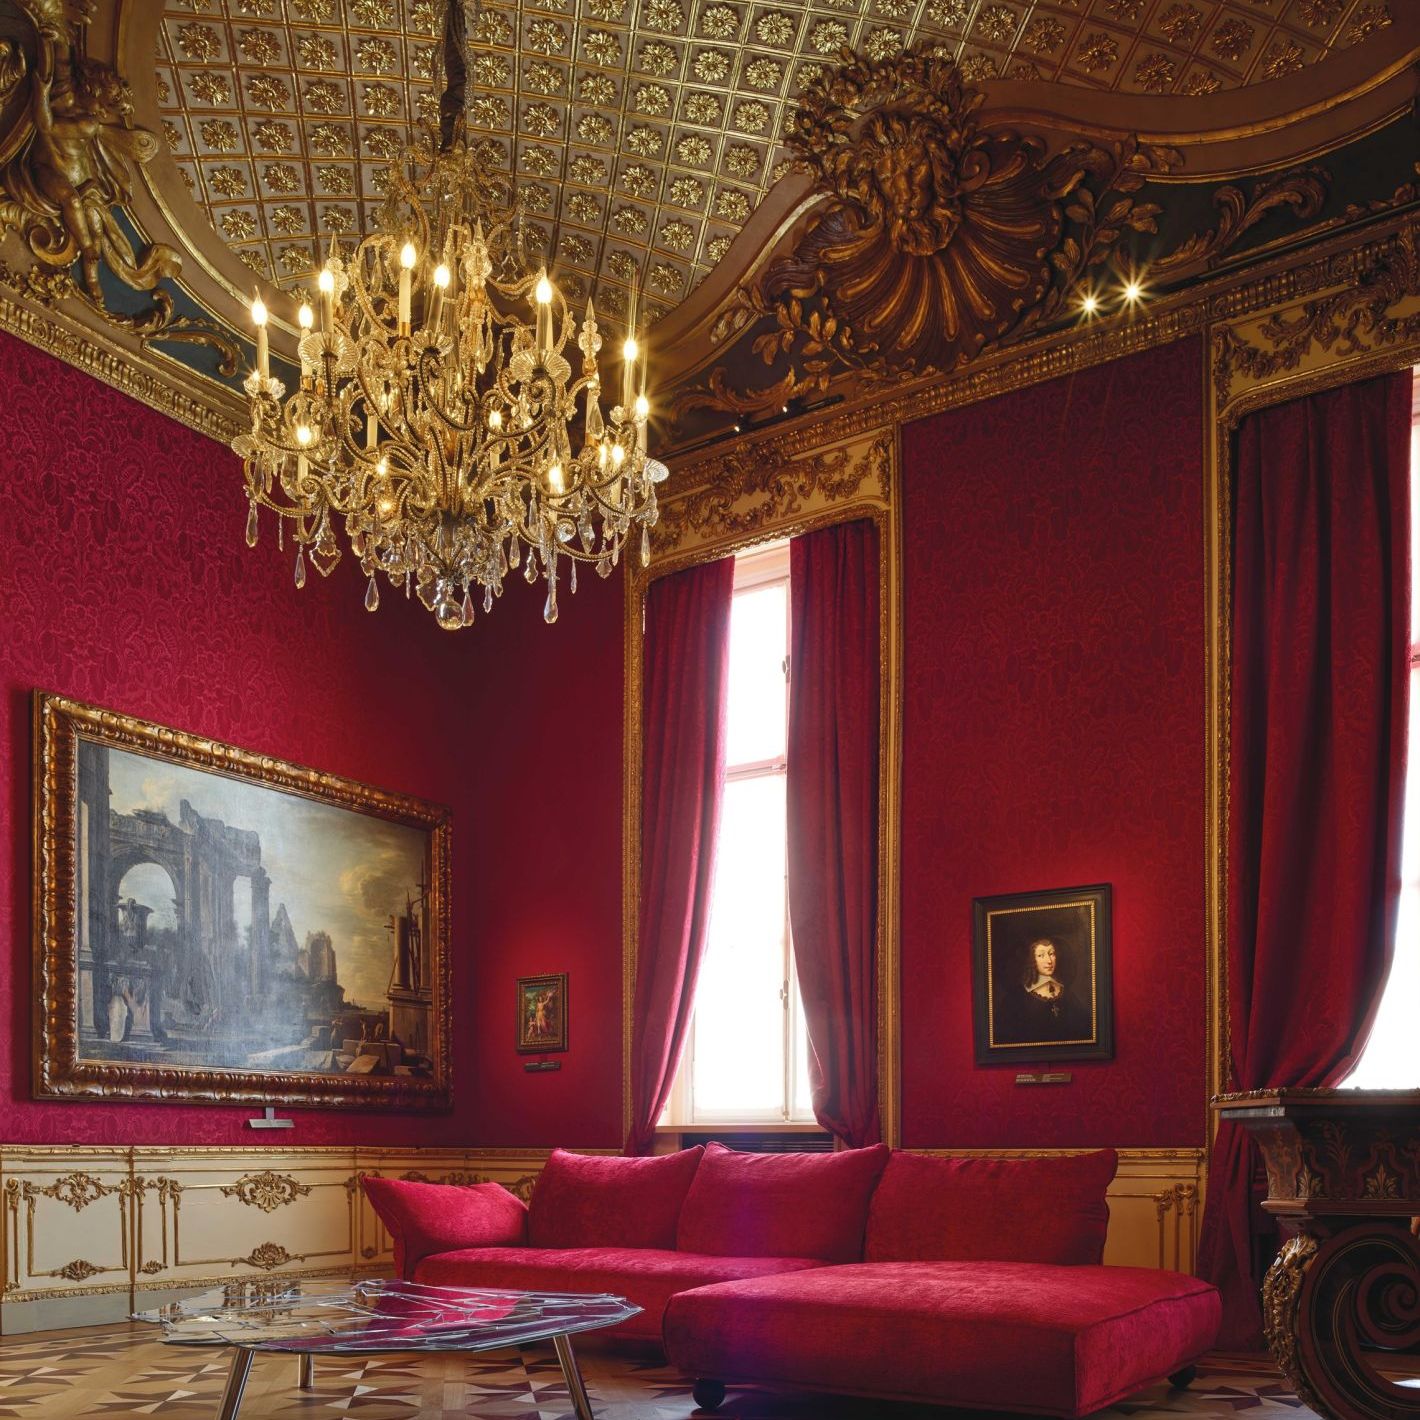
{"points": [[1181, 1380], [709, 1395]]}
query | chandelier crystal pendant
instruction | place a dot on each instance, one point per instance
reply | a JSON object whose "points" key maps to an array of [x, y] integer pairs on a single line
{"points": [[438, 407]]}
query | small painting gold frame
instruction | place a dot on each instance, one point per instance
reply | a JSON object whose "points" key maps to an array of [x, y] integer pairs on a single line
{"points": [[61, 1068], [542, 1013]]}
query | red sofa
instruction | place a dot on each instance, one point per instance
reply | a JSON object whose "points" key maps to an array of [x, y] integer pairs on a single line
{"points": [[966, 1282]]}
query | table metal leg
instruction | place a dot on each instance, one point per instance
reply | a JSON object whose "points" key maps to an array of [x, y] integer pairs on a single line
{"points": [[236, 1384], [307, 1364], [571, 1373]]}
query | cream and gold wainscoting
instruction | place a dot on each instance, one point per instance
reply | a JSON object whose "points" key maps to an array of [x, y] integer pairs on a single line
{"points": [[91, 1233], [1155, 1203]]}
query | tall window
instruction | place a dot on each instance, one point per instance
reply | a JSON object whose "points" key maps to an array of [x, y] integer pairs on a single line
{"points": [[746, 1054], [1392, 1058]]}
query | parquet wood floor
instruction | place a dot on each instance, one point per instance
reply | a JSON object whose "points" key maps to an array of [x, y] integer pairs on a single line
{"points": [[126, 1371]]}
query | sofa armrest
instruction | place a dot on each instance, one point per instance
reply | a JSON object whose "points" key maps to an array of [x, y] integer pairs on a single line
{"points": [[425, 1218]]}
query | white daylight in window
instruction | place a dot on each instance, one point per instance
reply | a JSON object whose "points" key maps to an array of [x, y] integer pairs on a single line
{"points": [[746, 1056], [1391, 1060]]}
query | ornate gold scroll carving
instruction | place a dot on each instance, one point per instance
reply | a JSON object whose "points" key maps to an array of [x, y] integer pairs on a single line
{"points": [[941, 235], [68, 150], [267, 1190]]}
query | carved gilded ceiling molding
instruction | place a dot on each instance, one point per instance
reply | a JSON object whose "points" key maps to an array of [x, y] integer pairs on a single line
{"points": [[941, 235], [69, 150]]}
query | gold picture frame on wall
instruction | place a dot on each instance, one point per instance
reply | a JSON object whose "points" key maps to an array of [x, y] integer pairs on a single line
{"points": [[212, 925], [1042, 984]]}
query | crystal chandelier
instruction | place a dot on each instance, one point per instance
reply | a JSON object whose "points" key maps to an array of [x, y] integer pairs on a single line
{"points": [[438, 408]]}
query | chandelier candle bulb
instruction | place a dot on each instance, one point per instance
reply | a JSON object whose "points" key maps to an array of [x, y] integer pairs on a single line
{"points": [[436, 299], [326, 282], [542, 293], [629, 352], [305, 318], [263, 344], [407, 257]]}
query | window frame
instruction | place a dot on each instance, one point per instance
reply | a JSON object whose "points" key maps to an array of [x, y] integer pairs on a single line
{"points": [[755, 569]]}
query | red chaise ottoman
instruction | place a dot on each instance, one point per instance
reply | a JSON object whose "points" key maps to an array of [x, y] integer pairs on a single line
{"points": [[1025, 1336]]}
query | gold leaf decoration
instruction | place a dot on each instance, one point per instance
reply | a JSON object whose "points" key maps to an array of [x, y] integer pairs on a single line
{"points": [[266, 1190], [940, 236], [267, 1257]]}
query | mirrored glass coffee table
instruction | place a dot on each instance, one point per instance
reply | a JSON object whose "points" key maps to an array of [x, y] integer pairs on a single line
{"points": [[308, 1319]]}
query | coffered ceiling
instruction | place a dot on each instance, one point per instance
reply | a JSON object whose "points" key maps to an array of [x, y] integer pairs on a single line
{"points": [[643, 133]]}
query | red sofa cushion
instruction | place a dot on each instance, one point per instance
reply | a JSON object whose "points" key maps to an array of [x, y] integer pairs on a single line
{"points": [[588, 1200], [995, 1210], [993, 1336], [780, 1205], [647, 1277], [433, 1217]]}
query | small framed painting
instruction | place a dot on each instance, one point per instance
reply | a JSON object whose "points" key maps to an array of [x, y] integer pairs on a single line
{"points": [[542, 1013], [1042, 976]]}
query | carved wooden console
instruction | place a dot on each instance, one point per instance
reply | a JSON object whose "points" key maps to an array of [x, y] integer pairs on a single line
{"points": [[1341, 1305]]}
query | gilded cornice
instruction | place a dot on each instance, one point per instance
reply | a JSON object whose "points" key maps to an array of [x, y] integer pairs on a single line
{"points": [[163, 385], [1227, 298]]}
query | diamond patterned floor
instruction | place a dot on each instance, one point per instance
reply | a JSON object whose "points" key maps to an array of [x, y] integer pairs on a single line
{"points": [[123, 1371]]}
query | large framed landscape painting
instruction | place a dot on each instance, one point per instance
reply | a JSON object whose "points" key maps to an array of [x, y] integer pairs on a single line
{"points": [[215, 925], [1043, 976]]}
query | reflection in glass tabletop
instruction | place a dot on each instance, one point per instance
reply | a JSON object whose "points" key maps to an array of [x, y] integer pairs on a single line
{"points": [[310, 1318]]}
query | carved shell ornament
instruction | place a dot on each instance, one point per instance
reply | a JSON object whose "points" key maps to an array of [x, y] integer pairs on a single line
{"points": [[938, 233], [940, 236]]}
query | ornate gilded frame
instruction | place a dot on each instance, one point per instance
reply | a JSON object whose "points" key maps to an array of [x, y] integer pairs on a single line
{"points": [[1360, 317], [723, 504], [59, 1071]]}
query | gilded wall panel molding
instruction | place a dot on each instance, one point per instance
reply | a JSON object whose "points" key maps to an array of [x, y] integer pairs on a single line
{"points": [[267, 1257], [266, 1190], [747, 494], [1378, 311]]}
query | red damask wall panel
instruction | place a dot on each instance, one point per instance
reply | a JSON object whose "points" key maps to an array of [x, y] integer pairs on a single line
{"points": [[1054, 736], [544, 882], [126, 581]]}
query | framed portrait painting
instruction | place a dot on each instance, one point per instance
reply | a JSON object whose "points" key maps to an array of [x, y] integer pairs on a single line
{"points": [[542, 1013], [1042, 978], [215, 925]]}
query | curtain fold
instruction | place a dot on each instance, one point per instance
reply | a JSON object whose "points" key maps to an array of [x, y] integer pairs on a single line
{"points": [[1320, 677], [686, 665], [833, 817]]}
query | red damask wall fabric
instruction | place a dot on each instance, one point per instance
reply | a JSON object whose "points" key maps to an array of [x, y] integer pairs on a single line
{"points": [[1053, 724], [541, 877], [1320, 628], [834, 693], [687, 650], [124, 580]]}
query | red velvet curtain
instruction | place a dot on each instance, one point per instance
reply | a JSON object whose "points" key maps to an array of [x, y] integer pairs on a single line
{"points": [[686, 672], [833, 817], [1320, 625]]}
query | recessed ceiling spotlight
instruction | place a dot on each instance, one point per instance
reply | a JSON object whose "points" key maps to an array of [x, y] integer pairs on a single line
{"points": [[1089, 303], [1133, 291]]}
